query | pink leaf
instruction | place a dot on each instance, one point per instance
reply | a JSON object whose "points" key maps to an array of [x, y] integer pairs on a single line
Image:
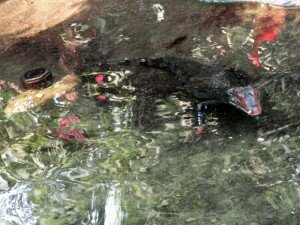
{"points": [[100, 78], [73, 118], [200, 131], [77, 134], [65, 137], [101, 97], [63, 122]]}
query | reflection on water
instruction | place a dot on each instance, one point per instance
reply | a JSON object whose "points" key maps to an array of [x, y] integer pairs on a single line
{"points": [[113, 211], [147, 160], [16, 207]]}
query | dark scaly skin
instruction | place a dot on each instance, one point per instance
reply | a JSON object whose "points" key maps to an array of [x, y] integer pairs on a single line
{"points": [[158, 77], [199, 81]]}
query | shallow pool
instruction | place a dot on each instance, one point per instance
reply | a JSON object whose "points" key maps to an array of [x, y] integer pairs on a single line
{"points": [[142, 161]]}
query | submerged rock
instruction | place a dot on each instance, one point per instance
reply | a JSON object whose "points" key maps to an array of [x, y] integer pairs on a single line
{"points": [[31, 98]]}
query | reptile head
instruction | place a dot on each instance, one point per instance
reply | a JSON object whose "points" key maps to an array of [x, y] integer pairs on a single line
{"points": [[246, 99]]}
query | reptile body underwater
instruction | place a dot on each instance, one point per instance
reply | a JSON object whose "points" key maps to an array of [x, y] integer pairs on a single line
{"points": [[216, 84]]}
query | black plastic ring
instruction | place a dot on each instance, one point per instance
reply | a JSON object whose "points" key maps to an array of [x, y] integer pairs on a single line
{"points": [[37, 78]]}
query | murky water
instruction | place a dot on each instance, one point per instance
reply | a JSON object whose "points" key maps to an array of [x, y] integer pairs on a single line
{"points": [[141, 160]]}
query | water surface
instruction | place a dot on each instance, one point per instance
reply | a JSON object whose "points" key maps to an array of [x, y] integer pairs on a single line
{"points": [[141, 161]]}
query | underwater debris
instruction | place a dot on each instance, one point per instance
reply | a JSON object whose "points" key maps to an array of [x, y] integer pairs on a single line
{"points": [[31, 98]]}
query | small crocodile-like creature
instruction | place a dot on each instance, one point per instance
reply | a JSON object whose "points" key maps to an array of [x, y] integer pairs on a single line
{"points": [[210, 84]]}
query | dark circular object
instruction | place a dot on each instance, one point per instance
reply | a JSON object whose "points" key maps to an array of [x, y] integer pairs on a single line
{"points": [[37, 78]]}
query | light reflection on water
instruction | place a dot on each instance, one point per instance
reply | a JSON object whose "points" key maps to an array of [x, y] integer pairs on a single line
{"points": [[113, 210], [16, 207]]}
